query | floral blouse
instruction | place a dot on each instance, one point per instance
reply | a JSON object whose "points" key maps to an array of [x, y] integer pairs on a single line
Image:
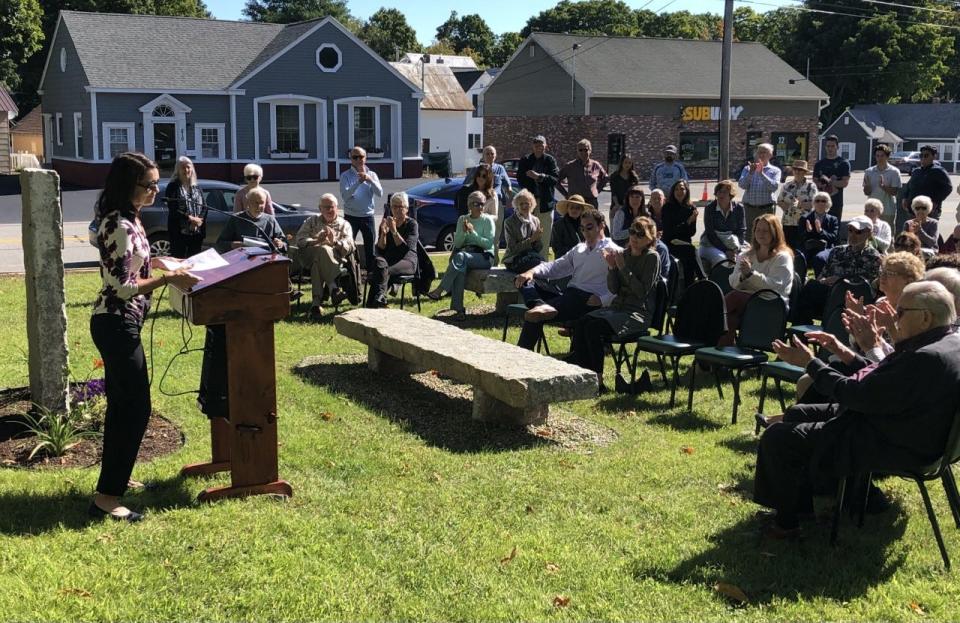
{"points": [[124, 257], [792, 198]]}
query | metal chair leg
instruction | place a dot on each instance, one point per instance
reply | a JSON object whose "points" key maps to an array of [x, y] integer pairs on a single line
{"points": [[862, 511], [693, 375], [953, 496], [403, 293], [663, 370], [934, 524], [716, 378], [506, 324], [783, 404], [837, 506], [736, 392], [633, 368], [763, 397]]}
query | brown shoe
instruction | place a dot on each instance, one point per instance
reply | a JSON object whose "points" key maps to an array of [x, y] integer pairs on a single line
{"points": [[540, 313]]}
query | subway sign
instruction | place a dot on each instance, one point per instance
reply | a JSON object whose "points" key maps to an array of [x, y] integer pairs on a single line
{"points": [[708, 113]]}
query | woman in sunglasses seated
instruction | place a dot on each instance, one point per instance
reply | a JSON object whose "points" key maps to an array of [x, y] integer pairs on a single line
{"points": [[253, 175]]}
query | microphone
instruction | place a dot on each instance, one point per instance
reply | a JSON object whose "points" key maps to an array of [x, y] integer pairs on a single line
{"points": [[236, 215]]}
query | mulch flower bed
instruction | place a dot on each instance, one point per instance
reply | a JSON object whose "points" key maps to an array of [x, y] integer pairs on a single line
{"points": [[16, 442]]}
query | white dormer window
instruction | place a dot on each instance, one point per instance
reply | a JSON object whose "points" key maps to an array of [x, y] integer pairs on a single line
{"points": [[329, 58], [63, 59], [533, 50]]}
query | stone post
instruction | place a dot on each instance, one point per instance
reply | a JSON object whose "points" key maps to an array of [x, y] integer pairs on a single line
{"points": [[42, 224]]}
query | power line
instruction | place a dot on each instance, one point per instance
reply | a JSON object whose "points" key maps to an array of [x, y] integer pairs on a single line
{"points": [[857, 15], [649, 2], [665, 6], [907, 6]]}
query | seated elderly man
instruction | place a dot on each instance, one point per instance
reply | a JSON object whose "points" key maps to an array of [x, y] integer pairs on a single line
{"points": [[252, 225], [854, 259], [889, 415], [395, 251], [586, 291], [325, 241]]}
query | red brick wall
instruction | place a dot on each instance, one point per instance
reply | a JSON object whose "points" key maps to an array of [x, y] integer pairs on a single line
{"points": [[645, 136]]}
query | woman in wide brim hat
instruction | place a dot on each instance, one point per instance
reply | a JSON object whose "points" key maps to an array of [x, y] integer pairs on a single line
{"points": [[564, 204]]}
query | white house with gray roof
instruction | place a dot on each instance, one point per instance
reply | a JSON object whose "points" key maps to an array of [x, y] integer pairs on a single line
{"points": [[294, 98], [636, 95]]}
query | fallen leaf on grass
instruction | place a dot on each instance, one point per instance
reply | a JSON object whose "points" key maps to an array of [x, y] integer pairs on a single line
{"points": [[561, 601], [731, 591], [436, 477], [631, 414], [726, 487], [916, 608], [687, 450], [326, 416], [552, 568], [77, 592], [105, 538], [529, 509], [511, 556]]}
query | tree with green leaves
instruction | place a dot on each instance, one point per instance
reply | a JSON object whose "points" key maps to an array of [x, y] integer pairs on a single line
{"points": [[506, 45], [590, 17], [389, 34], [21, 35], [468, 32], [289, 11]]}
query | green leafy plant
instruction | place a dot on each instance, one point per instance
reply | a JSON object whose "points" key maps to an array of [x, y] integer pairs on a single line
{"points": [[56, 432]]}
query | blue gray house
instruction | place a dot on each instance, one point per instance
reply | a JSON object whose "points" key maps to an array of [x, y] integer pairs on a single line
{"points": [[293, 98]]}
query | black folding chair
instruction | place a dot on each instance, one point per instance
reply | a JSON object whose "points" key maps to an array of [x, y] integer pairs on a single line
{"points": [[764, 320], [940, 468], [836, 299], [619, 344], [699, 322], [720, 274]]}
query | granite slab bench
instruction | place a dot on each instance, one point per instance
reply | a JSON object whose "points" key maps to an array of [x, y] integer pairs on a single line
{"points": [[499, 281], [511, 385]]}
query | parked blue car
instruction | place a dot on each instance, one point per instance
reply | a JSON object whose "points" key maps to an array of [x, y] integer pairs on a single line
{"points": [[433, 205]]}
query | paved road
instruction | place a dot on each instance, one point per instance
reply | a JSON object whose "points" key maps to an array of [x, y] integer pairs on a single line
{"points": [[78, 210]]}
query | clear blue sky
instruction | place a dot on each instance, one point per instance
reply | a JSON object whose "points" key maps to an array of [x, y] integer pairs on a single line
{"points": [[501, 15]]}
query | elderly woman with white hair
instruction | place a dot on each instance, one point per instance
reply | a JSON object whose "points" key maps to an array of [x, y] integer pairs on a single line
{"points": [[186, 210], [922, 224], [252, 175], [882, 236], [949, 278], [472, 250], [325, 241], [395, 253]]}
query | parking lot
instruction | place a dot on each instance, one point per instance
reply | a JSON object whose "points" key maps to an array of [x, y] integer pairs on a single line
{"points": [[78, 210]]}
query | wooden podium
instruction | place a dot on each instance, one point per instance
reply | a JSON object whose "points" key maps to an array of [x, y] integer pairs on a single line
{"points": [[246, 296]]}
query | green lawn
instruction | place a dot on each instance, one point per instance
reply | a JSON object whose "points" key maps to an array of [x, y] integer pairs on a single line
{"points": [[411, 513]]}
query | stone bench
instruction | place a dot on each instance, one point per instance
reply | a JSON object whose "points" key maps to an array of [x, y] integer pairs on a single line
{"points": [[499, 281], [510, 384]]}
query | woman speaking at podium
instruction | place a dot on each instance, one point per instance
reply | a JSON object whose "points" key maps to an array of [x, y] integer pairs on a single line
{"points": [[118, 315]]}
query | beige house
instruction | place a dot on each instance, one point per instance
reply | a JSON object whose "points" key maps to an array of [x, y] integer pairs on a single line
{"points": [[27, 134]]}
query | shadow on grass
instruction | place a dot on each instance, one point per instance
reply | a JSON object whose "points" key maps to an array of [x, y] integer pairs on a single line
{"points": [[24, 513], [742, 444], [440, 419], [767, 570], [686, 421]]}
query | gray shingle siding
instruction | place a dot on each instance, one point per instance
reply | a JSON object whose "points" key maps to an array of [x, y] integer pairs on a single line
{"points": [[521, 86], [63, 92]]}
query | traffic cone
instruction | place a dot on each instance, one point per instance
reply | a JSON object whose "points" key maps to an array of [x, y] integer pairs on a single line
{"points": [[704, 196]]}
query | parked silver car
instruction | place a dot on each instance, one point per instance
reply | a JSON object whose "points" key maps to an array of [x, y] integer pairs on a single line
{"points": [[218, 195]]}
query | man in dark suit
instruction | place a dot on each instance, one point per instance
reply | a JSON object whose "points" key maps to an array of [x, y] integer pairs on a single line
{"points": [[895, 414]]}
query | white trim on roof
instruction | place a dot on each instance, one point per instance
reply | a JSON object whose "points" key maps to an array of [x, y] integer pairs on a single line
{"points": [[346, 33], [46, 64], [715, 96], [826, 131], [90, 89]]}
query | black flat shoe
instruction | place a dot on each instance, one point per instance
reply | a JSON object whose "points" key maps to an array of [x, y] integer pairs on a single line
{"points": [[95, 512]]}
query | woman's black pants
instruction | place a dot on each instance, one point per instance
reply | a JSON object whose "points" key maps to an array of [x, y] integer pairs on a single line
{"points": [[128, 398]]}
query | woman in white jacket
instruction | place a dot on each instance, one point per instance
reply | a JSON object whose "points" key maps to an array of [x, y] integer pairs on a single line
{"points": [[768, 264]]}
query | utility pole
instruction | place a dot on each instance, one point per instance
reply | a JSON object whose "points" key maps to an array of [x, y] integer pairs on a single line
{"points": [[723, 171], [573, 78]]}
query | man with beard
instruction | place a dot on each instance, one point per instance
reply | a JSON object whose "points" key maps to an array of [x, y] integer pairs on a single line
{"points": [[669, 172]]}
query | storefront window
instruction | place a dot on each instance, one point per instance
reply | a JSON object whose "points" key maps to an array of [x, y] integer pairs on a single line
{"points": [[789, 146], [700, 149]]}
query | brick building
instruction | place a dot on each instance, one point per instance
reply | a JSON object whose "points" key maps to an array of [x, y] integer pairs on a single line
{"points": [[636, 95]]}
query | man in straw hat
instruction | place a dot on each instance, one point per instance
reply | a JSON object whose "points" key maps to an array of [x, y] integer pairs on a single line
{"points": [[796, 199], [566, 231]]}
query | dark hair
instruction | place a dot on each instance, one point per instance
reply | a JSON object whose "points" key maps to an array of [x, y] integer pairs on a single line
{"points": [[908, 241], [832, 137], [126, 171], [686, 197], [485, 168], [633, 164], [730, 185], [595, 214], [637, 190], [884, 148]]}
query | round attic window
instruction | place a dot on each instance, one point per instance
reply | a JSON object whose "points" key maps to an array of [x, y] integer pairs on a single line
{"points": [[63, 59], [329, 58]]}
